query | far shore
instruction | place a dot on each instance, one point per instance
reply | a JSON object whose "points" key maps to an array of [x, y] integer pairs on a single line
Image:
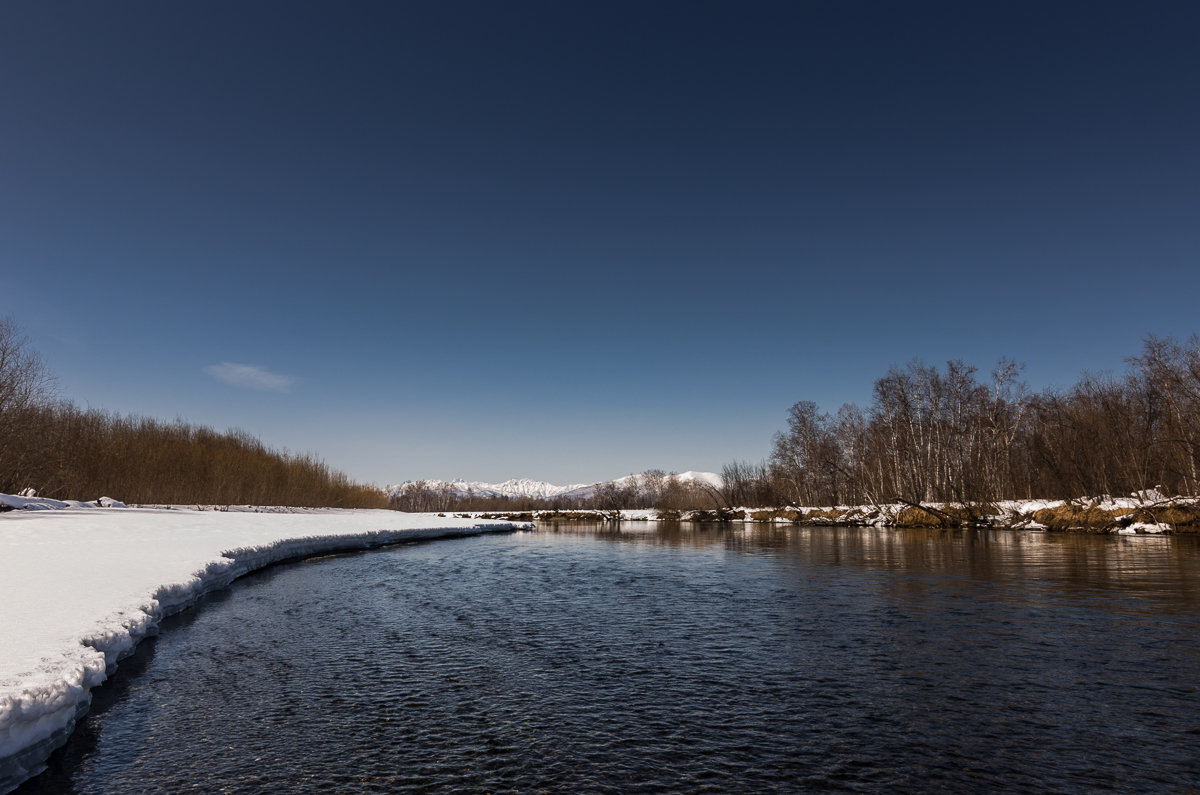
{"points": [[1145, 514]]}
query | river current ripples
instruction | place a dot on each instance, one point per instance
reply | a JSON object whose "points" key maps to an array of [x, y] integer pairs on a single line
{"points": [[672, 659]]}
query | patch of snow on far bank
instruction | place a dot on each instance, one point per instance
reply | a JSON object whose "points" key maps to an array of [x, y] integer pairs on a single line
{"points": [[1144, 527], [31, 502]]}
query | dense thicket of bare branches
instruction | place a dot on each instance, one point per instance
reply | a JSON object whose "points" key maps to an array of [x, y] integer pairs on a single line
{"points": [[948, 436], [63, 452]]}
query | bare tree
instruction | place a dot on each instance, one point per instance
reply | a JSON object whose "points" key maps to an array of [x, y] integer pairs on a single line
{"points": [[25, 387], [1172, 372]]}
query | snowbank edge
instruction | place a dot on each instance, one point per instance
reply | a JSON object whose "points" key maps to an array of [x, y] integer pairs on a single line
{"points": [[35, 722]]}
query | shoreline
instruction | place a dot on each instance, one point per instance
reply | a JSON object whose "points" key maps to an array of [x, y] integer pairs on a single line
{"points": [[1094, 515], [48, 672]]}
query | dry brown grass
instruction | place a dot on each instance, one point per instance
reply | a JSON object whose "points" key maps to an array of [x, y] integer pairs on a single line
{"points": [[1078, 518], [916, 517], [1182, 518], [946, 516]]}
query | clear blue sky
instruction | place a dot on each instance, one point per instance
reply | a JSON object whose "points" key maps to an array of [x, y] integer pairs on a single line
{"points": [[573, 240]]}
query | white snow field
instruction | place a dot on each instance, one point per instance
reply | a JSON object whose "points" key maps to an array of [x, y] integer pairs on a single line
{"points": [[80, 586]]}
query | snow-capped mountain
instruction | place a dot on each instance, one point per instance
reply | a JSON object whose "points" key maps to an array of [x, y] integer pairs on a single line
{"points": [[539, 489], [515, 487]]}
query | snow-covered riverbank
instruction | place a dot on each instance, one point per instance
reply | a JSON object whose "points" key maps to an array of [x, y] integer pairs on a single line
{"points": [[1146, 512], [80, 586]]}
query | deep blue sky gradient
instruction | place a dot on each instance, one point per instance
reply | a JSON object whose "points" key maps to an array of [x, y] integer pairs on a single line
{"points": [[571, 241]]}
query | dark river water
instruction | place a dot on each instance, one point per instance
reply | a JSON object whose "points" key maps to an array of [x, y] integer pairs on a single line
{"points": [[657, 659]]}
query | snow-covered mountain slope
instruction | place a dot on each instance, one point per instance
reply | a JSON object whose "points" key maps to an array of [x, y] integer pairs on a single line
{"points": [[512, 488], [541, 490]]}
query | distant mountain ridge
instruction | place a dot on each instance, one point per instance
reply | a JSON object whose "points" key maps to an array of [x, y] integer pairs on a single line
{"points": [[516, 488]]}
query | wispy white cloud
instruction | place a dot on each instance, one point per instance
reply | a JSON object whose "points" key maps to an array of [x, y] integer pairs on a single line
{"points": [[250, 377]]}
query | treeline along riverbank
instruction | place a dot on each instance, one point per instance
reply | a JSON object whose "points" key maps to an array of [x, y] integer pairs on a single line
{"points": [[61, 451], [947, 436]]}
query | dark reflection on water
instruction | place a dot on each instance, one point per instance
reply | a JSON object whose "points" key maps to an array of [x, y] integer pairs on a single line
{"points": [[649, 659]]}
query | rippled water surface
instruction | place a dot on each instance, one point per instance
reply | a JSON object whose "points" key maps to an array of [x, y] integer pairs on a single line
{"points": [[672, 659]]}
